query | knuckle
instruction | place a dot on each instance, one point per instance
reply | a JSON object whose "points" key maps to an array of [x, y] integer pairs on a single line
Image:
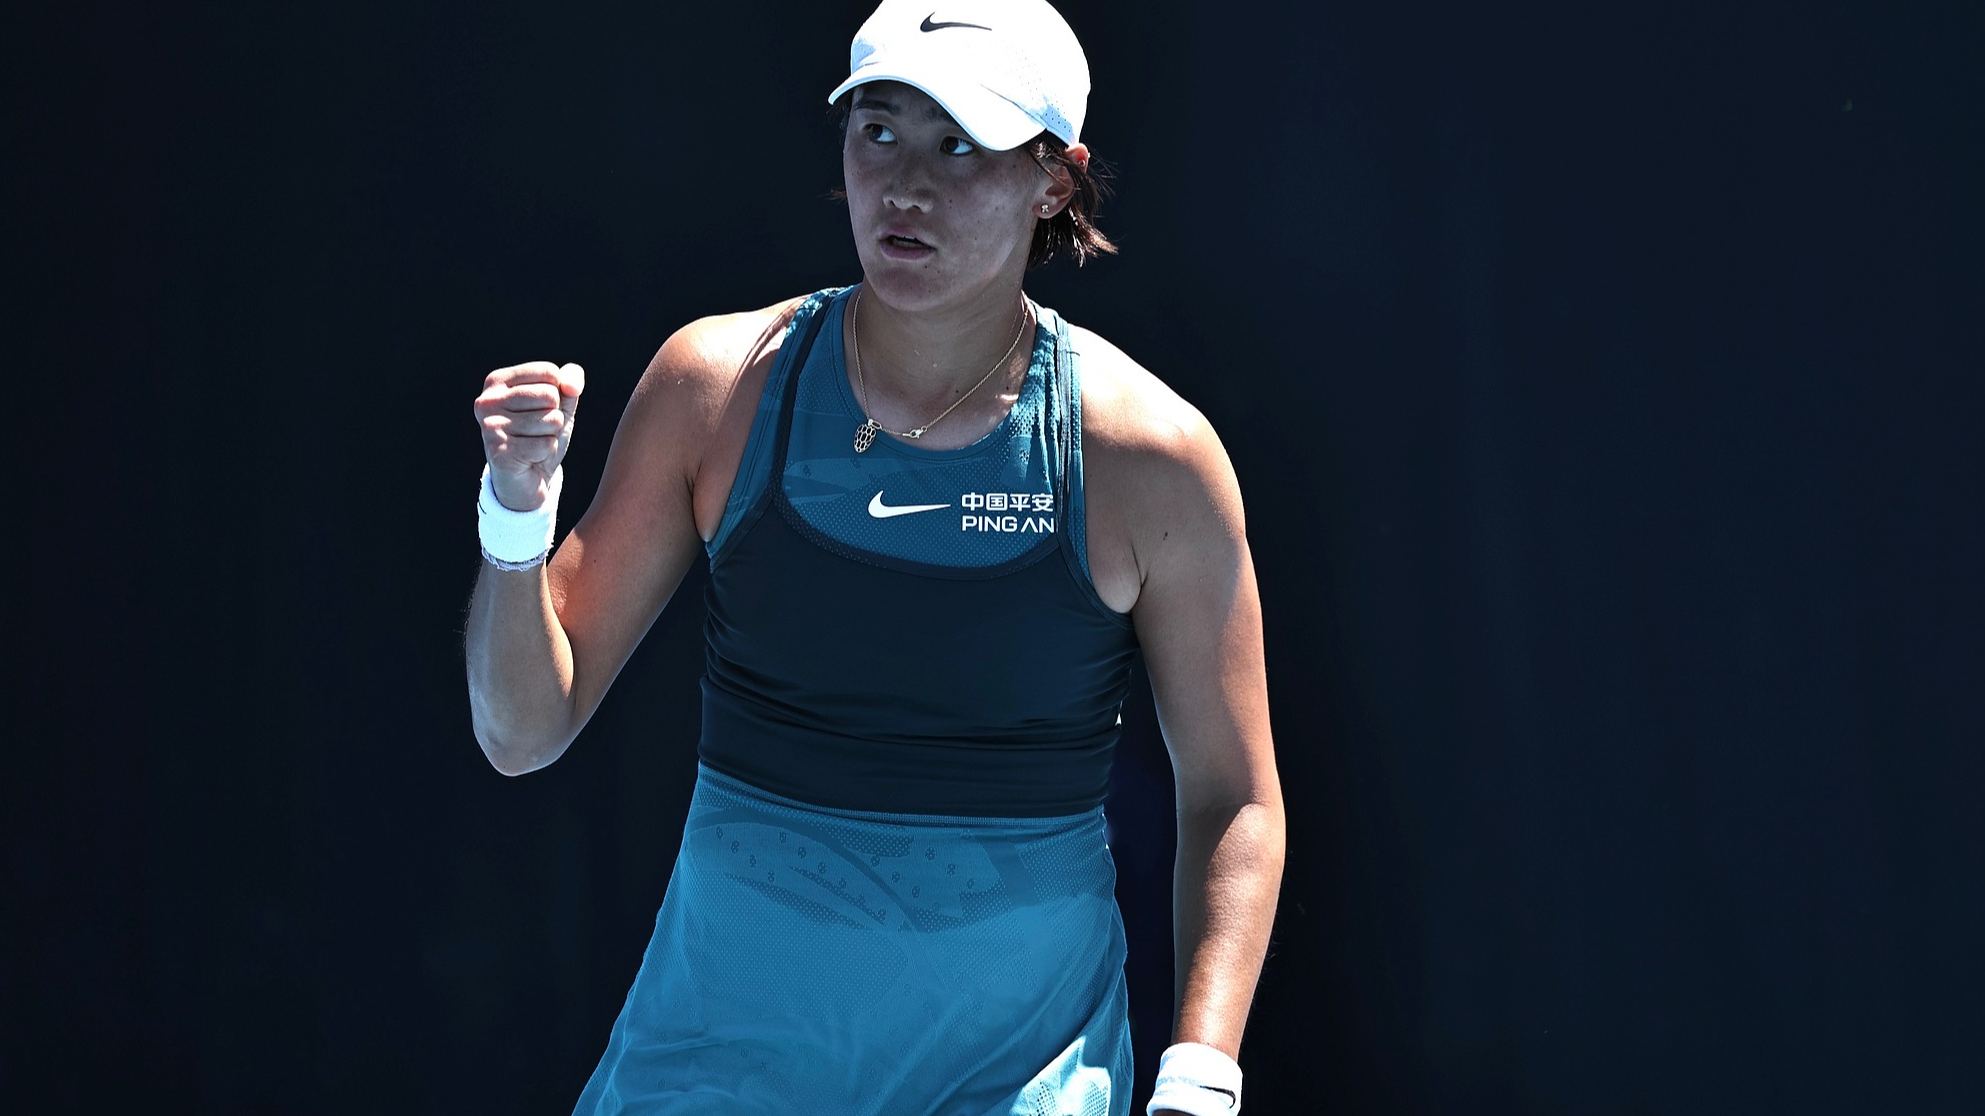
{"points": [[521, 372]]}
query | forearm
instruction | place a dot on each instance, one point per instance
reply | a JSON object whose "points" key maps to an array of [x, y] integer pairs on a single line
{"points": [[520, 670], [1226, 877]]}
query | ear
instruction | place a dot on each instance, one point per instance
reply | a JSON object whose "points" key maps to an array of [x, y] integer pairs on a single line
{"points": [[1061, 185]]}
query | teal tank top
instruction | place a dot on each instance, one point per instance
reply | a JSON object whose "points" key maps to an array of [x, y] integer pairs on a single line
{"points": [[911, 630]]}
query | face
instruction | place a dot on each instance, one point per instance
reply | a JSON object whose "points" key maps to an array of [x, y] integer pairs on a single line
{"points": [[937, 219]]}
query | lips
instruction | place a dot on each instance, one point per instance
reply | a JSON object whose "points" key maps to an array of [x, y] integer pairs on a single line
{"points": [[905, 236], [901, 244]]}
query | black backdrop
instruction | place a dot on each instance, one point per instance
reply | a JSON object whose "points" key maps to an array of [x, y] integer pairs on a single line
{"points": [[1601, 378]]}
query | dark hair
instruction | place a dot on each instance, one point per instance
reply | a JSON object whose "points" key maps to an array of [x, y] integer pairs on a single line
{"points": [[1072, 232]]}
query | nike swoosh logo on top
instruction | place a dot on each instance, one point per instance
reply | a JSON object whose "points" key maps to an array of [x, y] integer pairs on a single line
{"points": [[881, 510], [927, 25]]}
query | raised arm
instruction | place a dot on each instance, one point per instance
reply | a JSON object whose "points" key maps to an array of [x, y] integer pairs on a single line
{"points": [[543, 644]]}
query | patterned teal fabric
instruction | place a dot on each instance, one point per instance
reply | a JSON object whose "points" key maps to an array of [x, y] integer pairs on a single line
{"points": [[858, 964]]}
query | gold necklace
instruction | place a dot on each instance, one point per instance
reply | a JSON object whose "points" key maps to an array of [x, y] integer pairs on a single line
{"points": [[865, 433]]}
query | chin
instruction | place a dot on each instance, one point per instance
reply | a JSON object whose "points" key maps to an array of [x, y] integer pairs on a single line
{"points": [[911, 292], [920, 287]]}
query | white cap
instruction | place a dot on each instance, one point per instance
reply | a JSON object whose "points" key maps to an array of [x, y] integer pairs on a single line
{"points": [[1006, 70]]}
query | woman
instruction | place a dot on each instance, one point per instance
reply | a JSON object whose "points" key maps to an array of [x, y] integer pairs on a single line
{"points": [[939, 521]]}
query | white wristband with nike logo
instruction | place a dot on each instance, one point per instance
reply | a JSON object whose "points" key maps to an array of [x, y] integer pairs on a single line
{"points": [[1198, 1080]]}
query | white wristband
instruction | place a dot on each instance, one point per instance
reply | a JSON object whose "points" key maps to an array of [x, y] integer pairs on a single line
{"points": [[1197, 1079], [514, 540]]}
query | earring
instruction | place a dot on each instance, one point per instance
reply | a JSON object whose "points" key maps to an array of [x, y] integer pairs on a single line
{"points": [[1044, 208]]}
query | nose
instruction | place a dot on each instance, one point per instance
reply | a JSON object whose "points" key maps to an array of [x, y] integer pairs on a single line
{"points": [[911, 186]]}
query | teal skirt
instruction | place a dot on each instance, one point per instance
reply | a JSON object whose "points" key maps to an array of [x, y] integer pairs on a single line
{"points": [[809, 960]]}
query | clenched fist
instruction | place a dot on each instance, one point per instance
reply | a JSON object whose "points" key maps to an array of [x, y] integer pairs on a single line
{"points": [[525, 413]]}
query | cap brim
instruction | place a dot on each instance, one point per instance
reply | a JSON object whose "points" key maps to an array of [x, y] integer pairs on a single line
{"points": [[992, 121]]}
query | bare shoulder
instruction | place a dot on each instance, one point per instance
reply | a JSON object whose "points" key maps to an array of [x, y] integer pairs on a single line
{"points": [[690, 416], [1156, 478], [1125, 408], [703, 362], [1133, 422]]}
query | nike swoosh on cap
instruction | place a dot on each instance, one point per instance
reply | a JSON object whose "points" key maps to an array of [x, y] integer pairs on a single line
{"points": [[927, 25], [880, 510]]}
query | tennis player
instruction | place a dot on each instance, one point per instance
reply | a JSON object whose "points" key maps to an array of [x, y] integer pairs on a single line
{"points": [[940, 522]]}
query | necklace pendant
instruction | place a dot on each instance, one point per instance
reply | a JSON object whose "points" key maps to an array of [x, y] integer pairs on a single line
{"points": [[865, 435]]}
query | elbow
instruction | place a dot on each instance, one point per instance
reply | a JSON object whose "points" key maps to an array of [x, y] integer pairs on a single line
{"points": [[1257, 807], [518, 738], [1254, 830], [513, 765], [511, 755]]}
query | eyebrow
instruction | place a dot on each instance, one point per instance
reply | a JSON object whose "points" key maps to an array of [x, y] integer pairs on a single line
{"points": [[871, 101]]}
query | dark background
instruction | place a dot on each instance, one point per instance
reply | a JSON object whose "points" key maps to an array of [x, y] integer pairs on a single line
{"points": [[1601, 378]]}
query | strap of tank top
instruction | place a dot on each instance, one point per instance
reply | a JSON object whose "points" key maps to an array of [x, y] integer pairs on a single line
{"points": [[1064, 417], [1073, 542], [789, 398], [788, 364]]}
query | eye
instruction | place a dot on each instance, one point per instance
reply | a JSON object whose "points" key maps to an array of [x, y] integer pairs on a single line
{"points": [[878, 133], [957, 145]]}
